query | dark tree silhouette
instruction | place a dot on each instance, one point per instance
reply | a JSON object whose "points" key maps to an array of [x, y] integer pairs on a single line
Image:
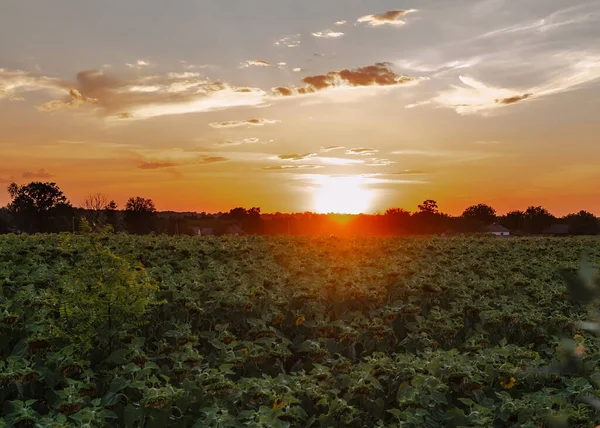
{"points": [[39, 207], [139, 215], [96, 207], [397, 220], [478, 216], [515, 221], [5, 221], [537, 219], [429, 206], [583, 223]]}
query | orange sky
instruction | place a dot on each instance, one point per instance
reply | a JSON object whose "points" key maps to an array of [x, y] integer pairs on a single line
{"points": [[327, 106]]}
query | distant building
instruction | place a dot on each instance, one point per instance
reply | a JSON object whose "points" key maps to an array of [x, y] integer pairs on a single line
{"points": [[203, 231], [557, 229], [234, 229], [497, 230]]}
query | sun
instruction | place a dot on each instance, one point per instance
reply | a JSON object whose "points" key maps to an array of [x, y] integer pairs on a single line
{"points": [[343, 195]]}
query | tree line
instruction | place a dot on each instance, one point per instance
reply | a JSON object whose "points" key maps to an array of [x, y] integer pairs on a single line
{"points": [[42, 207]]}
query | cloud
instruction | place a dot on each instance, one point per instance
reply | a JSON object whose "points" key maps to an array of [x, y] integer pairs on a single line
{"points": [[379, 162], [142, 97], [379, 74], [75, 99], [157, 165], [42, 173], [297, 70], [14, 82], [256, 63], [514, 99], [341, 22], [245, 141], [140, 63], [572, 70], [409, 172], [289, 41], [328, 34], [288, 167], [7, 180], [331, 148], [296, 156], [238, 123], [392, 17], [361, 151]]}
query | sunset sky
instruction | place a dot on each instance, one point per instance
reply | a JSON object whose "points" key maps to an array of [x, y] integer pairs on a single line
{"points": [[289, 105]]}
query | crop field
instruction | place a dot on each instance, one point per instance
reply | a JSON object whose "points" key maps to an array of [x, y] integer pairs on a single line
{"points": [[154, 331]]}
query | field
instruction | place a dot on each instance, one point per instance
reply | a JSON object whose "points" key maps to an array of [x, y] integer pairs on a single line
{"points": [[118, 330]]}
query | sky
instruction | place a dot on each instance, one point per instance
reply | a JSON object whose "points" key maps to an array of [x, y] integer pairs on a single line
{"points": [[291, 106]]}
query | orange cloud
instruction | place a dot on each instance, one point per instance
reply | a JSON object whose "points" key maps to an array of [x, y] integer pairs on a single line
{"points": [[379, 74], [361, 151], [514, 99], [391, 17], [157, 165], [143, 97], [42, 173], [296, 156], [256, 63], [237, 123], [287, 167]]}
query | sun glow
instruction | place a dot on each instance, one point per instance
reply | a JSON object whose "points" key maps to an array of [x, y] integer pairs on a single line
{"points": [[343, 195]]}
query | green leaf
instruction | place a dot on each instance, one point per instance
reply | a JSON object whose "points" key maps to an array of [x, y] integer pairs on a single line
{"points": [[118, 384], [131, 415], [119, 356], [110, 399]]}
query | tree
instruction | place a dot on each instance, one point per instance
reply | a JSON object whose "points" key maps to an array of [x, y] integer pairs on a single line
{"points": [[96, 207], [139, 215], [5, 221], [479, 215], [537, 219], [429, 206], [396, 220], [34, 206], [583, 223]]}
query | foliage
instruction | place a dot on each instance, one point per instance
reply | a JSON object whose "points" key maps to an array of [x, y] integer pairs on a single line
{"points": [[289, 332], [480, 215]]}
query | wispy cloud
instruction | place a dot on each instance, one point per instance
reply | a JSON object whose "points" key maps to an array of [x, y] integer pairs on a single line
{"points": [[255, 63], [361, 151], [243, 142], [296, 156], [328, 34], [378, 162], [341, 22], [15, 82], [238, 123], [140, 63], [289, 167], [392, 17], [331, 148], [409, 172], [157, 165], [289, 41], [42, 173], [142, 97], [379, 74], [573, 70]]}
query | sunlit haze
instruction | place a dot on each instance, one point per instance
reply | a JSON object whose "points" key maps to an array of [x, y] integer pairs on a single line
{"points": [[332, 106]]}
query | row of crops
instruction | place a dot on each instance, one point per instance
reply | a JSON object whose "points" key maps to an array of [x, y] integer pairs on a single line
{"points": [[154, 331]]}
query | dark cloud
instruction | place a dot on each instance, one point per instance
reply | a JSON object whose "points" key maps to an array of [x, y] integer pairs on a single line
{"points": [[361, 151], [513, 100], [391, 17], [296, 156], [379, 74], [42, 173], [214, 159]]}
